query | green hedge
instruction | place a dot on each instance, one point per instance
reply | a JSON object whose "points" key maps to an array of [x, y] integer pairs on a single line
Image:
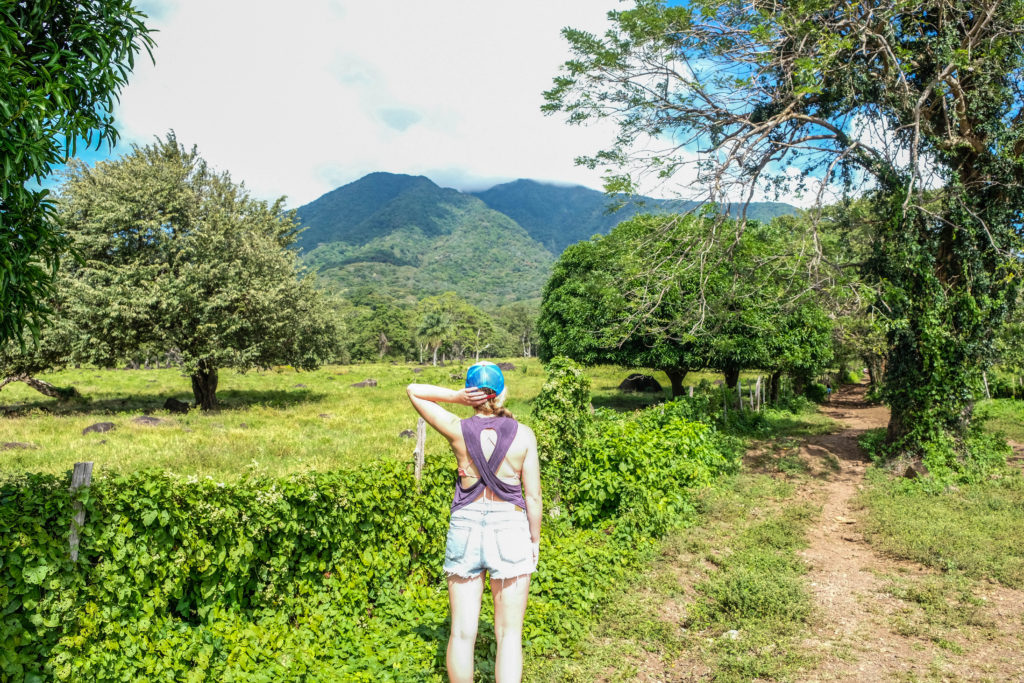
{"points": [[327, 576]]}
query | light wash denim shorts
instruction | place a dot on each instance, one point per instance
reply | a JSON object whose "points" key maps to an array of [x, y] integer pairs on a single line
{"points": [[492, 535]]}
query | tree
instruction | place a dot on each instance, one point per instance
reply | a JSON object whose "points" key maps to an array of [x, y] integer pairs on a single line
{"points": [[519, 319], [175, 255], [587, 309], [922, 102], [63, 64]]}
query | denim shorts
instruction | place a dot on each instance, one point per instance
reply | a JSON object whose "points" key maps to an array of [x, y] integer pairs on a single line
{"points": [[491, 535]]}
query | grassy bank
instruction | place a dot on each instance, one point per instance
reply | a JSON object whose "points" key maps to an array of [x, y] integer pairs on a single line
{"points": [[725, 596], [970, 529], [276, 422]]}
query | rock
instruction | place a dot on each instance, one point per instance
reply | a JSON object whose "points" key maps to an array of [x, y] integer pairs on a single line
{"points": [[638, 382], [243, 425], [417, 370], [457, 375], [175, 406], [406, 434], [366, 383], [299, 386], [147, 420], [17, 445], [506, 366], [99, 427], [731, 635], [915, 469]]}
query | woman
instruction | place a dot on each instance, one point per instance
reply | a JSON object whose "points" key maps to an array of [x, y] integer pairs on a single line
{"points": [[493, 527]]}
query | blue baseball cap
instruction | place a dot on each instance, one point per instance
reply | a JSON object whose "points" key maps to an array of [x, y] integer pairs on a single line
{"points": [[485, 375]]}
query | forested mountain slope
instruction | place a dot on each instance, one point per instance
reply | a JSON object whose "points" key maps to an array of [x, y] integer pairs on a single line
{"points": [[557, 215], [410, 238]]}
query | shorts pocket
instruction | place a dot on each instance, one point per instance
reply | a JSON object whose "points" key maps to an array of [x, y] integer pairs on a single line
{"points": [[514, 544], [455, 545]]}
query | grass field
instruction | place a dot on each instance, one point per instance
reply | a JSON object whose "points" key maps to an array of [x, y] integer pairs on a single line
{"points": [[1005, 415], [278, 422]]}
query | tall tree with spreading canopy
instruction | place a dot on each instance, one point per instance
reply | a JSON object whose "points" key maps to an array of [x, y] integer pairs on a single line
{"points": [[63, 64], [918, 103], [175, 255]]}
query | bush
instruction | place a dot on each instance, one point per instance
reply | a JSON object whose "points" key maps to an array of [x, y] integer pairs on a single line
{"points": [[323, 576], [643, 468]]}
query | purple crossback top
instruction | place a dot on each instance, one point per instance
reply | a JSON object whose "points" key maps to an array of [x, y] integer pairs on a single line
{"points": [[506, 427]]}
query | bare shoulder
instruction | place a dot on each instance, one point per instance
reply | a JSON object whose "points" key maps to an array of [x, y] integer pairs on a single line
{"points": [[526, 435]]}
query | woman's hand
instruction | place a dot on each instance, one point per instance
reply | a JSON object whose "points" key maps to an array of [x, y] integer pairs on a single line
{"points": [[535, 551], [471, 397]]}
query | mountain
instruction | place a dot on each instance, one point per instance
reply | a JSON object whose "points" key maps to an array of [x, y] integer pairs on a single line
{"points": [[409, 238], [557, 216]]}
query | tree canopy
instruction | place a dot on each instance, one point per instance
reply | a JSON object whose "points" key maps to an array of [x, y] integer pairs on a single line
{"points": [[918, 104], [745, 311], [63, 64], [176, 256]]}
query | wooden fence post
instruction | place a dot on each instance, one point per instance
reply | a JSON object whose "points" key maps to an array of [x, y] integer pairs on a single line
{"points": [[81, 476], [691, 391], [754, 394], [421, 444], [984, 378], [739, 394]]}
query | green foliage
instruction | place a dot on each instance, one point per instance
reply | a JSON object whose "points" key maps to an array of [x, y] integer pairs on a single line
{"points": [[175, 256], [558, 216], [732, 308], [643, 468], [412, 239], [63, 65], [933, 101], [329, 576], [561, 412]]}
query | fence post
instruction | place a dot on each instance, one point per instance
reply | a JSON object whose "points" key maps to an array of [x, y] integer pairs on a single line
{"points": [[984, 378], [691, 391], [81, 476], [739, 394], [421, 444], [754, 394]]}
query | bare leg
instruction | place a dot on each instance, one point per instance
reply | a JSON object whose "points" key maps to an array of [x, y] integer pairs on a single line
{"points": [[509, 609], [464, 602]]}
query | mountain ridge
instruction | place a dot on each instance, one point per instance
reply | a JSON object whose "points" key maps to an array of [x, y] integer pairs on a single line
{"points": [[410, 237]]}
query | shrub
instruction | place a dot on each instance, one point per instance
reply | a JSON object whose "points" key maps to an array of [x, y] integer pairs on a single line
{"points": [[643, 468], [321, 576]]}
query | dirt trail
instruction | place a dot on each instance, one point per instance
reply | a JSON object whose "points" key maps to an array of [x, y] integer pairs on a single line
{"points": [[854, 636]]}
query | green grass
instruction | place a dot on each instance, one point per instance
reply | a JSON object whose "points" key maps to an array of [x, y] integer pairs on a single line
{"points": [[971, 529], [1004, 415], [736, 570], [266, 420]]}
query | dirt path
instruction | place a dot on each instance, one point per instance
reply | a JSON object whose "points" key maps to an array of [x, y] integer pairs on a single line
{"points": [[857, 636]]}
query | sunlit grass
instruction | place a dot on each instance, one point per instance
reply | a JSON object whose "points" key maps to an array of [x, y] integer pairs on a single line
{"points": [[1004, 415], [266, 421]]}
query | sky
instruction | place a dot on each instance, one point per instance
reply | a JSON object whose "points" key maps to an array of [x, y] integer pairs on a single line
{"points": [[299, 98]]}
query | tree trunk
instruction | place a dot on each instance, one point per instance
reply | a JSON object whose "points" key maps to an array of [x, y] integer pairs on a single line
{"points": [[435, 354], [732, 375], [45, 388], [676, 376], [773, 387], [204, 386]]}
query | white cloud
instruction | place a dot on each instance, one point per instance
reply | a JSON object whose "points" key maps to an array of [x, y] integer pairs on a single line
{"points": [[299, 98]]}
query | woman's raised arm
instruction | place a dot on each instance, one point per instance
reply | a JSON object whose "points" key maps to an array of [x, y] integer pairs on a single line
{"points": [[425, 399]]}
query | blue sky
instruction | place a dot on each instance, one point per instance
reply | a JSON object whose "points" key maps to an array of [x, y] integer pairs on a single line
{"points": [[298, 98]]}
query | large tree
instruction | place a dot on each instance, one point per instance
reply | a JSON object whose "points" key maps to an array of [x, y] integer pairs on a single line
{"points": [[590, 304], [63, 63], [918, 103], [177, 256]]}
